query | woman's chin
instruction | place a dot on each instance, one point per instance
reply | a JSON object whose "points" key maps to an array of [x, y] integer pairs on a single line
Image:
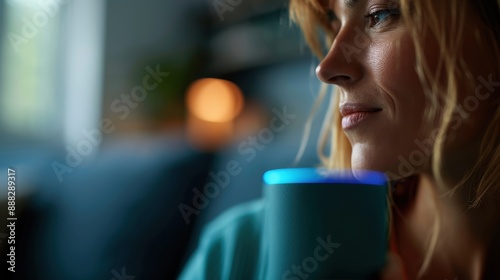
{"points": [[363, 158], [375, 163]]}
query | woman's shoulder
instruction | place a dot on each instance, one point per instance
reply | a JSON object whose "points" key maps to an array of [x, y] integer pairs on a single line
{"points": [[242, 217], [230, 246]]}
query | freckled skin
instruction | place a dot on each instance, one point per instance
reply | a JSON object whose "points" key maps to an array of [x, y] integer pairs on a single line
{"points": [[382, 73]]}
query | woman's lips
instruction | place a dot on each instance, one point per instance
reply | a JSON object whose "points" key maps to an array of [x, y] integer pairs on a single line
{"points": [[355, 113]]}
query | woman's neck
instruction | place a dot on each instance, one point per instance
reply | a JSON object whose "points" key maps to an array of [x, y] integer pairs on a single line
{"points": [[464, 246]]}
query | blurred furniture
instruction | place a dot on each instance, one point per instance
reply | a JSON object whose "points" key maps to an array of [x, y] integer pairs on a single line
{"points": [[118, 211]]}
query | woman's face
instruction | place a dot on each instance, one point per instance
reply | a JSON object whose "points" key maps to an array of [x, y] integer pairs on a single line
{"points": [[372, 61]]}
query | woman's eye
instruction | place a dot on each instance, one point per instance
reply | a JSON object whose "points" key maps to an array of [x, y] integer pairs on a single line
{"points": [[378, 17]]}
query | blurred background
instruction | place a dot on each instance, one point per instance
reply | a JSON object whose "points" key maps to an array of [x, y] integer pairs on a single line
{"points": [[116, 115]]}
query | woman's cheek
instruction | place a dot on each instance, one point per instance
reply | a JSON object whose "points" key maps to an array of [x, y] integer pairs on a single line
{"points": [[392, 66]]}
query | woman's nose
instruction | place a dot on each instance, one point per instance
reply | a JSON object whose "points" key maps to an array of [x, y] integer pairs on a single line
{"points": [[341, 65]]}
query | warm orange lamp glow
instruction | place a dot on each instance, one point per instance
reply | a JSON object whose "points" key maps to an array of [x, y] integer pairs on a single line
{"points": [[213, 104], [214, 100]]}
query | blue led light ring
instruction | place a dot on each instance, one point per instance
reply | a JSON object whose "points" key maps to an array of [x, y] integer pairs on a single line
{"points": [[323, 175]]}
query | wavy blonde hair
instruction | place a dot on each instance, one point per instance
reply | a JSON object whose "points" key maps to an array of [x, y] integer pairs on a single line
{"points": [[423, 19]]}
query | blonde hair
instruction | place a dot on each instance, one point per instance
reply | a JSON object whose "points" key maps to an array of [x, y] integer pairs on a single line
{"points": [[423, 18]]}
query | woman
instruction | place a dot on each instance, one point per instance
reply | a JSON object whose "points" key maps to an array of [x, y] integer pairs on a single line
{"points": [[418, 93]]}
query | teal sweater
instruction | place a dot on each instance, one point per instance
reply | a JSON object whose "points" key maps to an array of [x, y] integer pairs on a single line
{"points": [[230, 247]]}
